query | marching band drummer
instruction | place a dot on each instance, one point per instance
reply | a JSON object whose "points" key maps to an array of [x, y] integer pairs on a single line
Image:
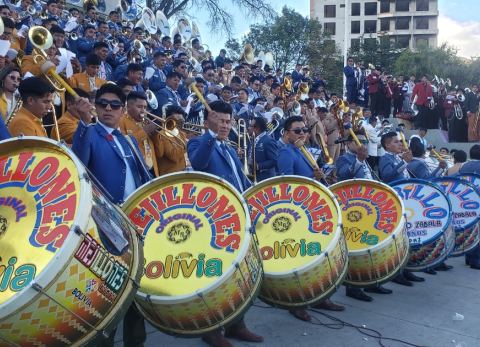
{"points": [[132, 123], [68, 123], [392, 166], [353, 164], [115, 162], [37, 97], [209, 153], [291, 161], [171, 151]]}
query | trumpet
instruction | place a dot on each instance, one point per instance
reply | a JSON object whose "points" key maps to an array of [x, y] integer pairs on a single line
{"points": [[71, 35]]}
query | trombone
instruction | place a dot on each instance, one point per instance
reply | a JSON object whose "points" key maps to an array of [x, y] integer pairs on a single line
{"points": [[167, 128], [241, 123]]}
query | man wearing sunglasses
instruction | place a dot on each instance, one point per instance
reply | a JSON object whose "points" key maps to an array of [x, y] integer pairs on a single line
{"points": [[353, 164], [210, 153], [291, 161]]}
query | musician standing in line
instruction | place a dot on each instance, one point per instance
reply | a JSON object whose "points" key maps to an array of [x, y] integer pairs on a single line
{"points": [[423, 93], [392, 166], [266, 150], [171, 148], [37, 97], [471, 104], [210, 153], [116, 163], [132, 123], [68, 123], [333, 132], [291, 161], [350, 73]]}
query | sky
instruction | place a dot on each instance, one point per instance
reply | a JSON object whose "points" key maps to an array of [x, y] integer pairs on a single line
{"points": [[459, 24]]}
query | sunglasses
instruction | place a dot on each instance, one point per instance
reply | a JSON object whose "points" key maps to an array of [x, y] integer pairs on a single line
{"points": [[114, 104], [298, 131]]}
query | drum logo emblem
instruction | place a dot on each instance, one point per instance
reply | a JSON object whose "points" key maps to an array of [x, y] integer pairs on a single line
{"points": [[281, 224], [179, 233], [354, 216], [3, 226]]}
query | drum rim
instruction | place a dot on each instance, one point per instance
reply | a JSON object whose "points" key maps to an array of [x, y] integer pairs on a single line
{"points": [[471, 185], [63, 255], [469, 174], [435, 186], [242, 252], [335, 239], [398, 230]]}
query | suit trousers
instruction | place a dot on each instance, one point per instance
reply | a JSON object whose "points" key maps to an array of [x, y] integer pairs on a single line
{"points": [[134, 334]]}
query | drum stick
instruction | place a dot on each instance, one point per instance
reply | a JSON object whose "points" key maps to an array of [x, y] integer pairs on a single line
{"points": [[402, 137], [352, 134]]}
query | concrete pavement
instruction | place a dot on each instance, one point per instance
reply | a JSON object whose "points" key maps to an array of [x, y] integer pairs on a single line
{"points": [[421, 315]]}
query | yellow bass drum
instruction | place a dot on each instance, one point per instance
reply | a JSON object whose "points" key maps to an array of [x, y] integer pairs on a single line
{"points": [[70, 261], [297, 222], [374, 227], [202, 267]]}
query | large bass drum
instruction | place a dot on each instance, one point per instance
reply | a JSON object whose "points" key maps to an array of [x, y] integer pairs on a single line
{"points": [[297, 223], [374, 227], [465, 200], [202, 266], [429, 222], [70, 260]]}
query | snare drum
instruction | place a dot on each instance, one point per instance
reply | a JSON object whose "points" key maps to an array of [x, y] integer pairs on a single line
{"points": [[465, 200], [69, 258], [374, 227], [297, 223], [429, 217], [202, 266]]}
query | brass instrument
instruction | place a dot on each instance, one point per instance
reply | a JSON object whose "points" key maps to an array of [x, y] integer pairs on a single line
{"points": [[55, 124], [167, 128], [341, 106], [248, 54], [243, 124], [272, 126], [254, 162], [10, 117], [71, 35], [437, 155], [404, 142], [303, 90], [194, 128]]}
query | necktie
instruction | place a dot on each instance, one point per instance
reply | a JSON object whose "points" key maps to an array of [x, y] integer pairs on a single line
{"points": [[129, 156], [225, 152]]}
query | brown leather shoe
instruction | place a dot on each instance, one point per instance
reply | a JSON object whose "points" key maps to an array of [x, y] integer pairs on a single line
{"points": [[329, 305], [242, 333], [216, 339], [301, 314]]}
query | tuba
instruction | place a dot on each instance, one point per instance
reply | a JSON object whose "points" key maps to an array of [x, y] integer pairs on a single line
{"points": [[248, 54]]}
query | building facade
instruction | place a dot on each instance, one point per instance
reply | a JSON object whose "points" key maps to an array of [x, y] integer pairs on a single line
{"points": [[406, 23]]}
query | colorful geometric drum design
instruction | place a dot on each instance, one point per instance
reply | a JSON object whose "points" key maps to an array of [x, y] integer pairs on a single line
{"points": [[202, 267], [69, 258], [465, 200], [429, 229], [297, 223], [374, 228]]}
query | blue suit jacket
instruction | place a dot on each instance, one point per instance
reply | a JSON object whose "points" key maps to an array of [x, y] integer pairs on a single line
{"points": [[165, 96], [419, 169], [472, 166], [266, 152], [391, 169], [4, 134], [349, 72], [158, 81], [84, 47], [348, 167], [292, 162], [206, 156], [104, 160]]}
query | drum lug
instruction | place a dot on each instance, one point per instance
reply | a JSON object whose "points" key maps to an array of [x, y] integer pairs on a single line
{"points": [[37, 287], [85, 177], [78, 231]]}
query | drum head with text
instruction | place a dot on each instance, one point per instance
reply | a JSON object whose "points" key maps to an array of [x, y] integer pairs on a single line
{"points": [[195, 227], [295, 219]]}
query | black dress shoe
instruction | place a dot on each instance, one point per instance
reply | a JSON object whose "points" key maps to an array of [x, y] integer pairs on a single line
{"points": [[430, 271], [475, 266], [411, 277], [358, 294], [378, 290], [467, 260], [400, 279], [443, 267]]}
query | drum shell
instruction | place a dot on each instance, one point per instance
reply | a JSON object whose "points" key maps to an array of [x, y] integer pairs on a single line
{"points": [[379, 263], [56, 308], [221, 302], [309, 285]]}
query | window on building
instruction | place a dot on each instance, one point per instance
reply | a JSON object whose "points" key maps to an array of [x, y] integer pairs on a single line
{"points": [[370, 44], [370, 9], [385, 43], [421, 41], [402, 5], [384, 6], [402, 23], [329, 28], [423, 5], [385, 24], [355, 27], [421, 23], [403, 41], [370, 26], [355, 44], [356, 9], [330, 11]]}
